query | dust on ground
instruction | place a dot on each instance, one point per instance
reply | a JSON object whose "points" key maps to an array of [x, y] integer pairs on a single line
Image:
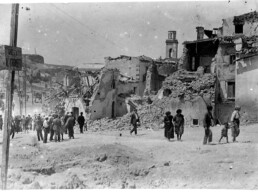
{"points": [[116, 159]]}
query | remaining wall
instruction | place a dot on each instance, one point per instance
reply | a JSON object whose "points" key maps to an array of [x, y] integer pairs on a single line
{"points": [[153, 80], [135, 67], [104, 98], [194, 109], [249, 28], [225, 73], [74, 102], [166, 67], [246, 88]]}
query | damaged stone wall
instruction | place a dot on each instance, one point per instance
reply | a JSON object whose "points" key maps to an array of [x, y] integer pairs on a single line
{"points": [[135, 67], [249, 21], [189, 91], [104, 98], [246, 88], [166, 67], [124, 90], [183, 60], [153, 80], [223, 66]]}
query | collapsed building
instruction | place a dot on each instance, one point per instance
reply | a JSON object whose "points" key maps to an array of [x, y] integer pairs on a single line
{"points": [[222, 53]]}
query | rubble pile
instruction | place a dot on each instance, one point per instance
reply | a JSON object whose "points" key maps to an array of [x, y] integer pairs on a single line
{"points": [[188, 85], [151, 116]]}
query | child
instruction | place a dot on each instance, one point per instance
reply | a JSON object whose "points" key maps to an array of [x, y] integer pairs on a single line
{"points": [[224, 131]]}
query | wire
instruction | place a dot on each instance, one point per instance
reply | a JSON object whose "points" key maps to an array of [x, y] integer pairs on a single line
{"points": [[89, 28]]}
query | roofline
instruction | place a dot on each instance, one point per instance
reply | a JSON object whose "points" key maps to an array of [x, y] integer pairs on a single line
{"points": [[198, 41]]}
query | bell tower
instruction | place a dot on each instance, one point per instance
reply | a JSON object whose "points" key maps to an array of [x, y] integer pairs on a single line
{"points": [[171, 45]]}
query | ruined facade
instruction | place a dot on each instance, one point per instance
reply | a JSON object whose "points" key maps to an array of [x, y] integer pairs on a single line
{"points": [[104, 99], [246, 77], [245, 24], [132, 67]]}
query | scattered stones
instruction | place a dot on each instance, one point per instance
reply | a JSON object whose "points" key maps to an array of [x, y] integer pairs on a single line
{"points": [[167, 163], [27, 180], [139, 172], [132, 186], [101, 158]]}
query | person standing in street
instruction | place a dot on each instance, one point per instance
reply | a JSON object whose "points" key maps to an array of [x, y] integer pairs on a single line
{"points": [[65, 120], [168, 126], [38, 127], [1, 122], [207, 123], [50, 123], [235, 123], [69, 125], [57, 124], [46, 129], [81, 121], [179, 122], [135, 120]]}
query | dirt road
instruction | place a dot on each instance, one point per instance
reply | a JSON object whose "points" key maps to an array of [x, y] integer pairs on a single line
{"points": [[107, 160]]}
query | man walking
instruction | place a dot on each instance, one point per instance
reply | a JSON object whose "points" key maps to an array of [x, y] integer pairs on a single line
{"points": [[207, 123], [134, 121], [81, 121]]}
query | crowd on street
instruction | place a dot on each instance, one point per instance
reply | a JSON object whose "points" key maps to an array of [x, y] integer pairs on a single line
{"points": [[53, 126]]}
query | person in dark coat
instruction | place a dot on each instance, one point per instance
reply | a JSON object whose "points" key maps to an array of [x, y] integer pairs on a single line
{"points": [[235, 123], [168, 126], [135, 120], [207, 123], [179, 122], [27, 123], [50, 122], [81, 121], [13, 129], [38, 126], [69, 125], [65, 119], [1, 122], [57, 124]]}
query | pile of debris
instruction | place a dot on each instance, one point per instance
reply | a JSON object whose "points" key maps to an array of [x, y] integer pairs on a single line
{"points": [[187, 85], [151, 116]]}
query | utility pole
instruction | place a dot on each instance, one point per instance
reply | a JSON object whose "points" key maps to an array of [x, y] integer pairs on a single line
{"points": [[25, 84], [9, 99]]}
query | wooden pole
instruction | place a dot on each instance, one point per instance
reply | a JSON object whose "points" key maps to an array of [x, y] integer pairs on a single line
{"points": [[25, 85], [9, 99]]}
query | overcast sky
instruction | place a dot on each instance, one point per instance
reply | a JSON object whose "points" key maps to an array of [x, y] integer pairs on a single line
{"points": [[77, 33]]}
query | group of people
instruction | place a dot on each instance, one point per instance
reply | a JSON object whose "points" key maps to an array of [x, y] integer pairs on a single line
{"points": [[54, 125], [175, 125], [233, 124], [57, 126]]}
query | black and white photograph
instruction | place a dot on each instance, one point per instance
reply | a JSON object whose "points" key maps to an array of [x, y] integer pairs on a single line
{"points": [[129, 95]]}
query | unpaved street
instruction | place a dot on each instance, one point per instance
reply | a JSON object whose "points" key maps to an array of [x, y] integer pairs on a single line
{"points": [[107, 160]]}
